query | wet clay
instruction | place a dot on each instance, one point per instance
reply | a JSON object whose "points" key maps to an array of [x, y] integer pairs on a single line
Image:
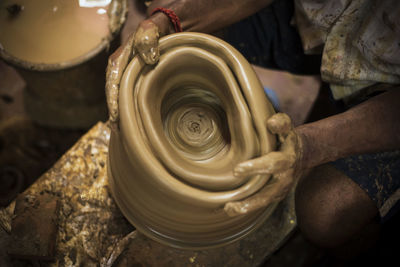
{"points": [[284, 165], [51, 31], [183, 124]]}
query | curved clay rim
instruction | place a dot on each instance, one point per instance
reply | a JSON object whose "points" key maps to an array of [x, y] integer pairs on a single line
{"points": [[162, 205], [120, 18]]}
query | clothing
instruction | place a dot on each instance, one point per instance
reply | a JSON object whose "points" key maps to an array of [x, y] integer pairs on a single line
{"points": [[269, 40], [359, 41], [378, 175], [353, 44], [273, 98], [360, 45]]}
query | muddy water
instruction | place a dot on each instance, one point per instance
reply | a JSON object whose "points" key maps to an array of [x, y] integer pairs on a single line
{"points": [[51, 31]]}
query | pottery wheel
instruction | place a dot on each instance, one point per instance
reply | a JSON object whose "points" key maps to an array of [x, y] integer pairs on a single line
{"points": [[184, 124]]}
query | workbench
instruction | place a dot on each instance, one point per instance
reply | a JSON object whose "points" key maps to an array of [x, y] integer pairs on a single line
{"points": [[72, 207]]}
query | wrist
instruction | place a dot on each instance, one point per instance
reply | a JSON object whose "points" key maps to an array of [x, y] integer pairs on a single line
{"points": [[318, 145], [163, 23], [303, 155]]}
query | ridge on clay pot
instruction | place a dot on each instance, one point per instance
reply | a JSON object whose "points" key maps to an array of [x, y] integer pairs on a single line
{"points": [[184, 124]]}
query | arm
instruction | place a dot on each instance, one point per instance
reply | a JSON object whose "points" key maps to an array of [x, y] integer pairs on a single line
{"points": [[206, 15], [372, 126], [202, 16]]}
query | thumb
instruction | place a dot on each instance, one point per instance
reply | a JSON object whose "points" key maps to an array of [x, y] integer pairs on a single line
{"points": [[271, 193], [281, 124], [146, 42]]}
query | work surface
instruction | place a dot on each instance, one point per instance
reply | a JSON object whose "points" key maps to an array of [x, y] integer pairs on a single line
{"points": [[71, 206]]}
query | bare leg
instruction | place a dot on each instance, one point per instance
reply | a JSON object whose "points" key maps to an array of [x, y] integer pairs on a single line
{"points": [[335, 213]]}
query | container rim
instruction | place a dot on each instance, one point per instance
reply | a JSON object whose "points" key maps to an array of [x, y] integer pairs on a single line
{"points": [[118, 15]]}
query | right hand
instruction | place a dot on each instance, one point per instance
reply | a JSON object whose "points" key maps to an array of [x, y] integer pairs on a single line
{"points": [[283, 164]]}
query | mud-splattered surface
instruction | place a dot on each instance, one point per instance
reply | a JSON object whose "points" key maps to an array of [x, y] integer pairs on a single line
{"points": [[93, 232], [34, 237], [89, 221], [253, 250]]}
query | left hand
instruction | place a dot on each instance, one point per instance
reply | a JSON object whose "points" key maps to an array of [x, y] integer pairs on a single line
{"points": [[146, 41], [143, 42], [284, 165]]}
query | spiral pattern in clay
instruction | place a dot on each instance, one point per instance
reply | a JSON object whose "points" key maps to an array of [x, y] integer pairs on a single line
{"points": [[184, 124]]}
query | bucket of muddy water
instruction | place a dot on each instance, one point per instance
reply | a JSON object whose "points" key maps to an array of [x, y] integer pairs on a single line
{"points": [[183, 125], [61, 49]]}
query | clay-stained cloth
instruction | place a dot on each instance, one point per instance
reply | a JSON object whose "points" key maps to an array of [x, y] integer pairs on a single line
{"points": [[359, 39]]}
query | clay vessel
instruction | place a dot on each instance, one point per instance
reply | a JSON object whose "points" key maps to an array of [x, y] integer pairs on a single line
{"points": [[184, 124], [64, 93]]}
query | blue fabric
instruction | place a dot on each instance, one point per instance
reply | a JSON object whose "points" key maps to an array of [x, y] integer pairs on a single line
{"points": [[273, 98], [377, 174]]}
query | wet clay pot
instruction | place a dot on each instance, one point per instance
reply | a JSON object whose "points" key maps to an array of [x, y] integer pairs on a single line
{"points": [[184, 124], [65, 83]]}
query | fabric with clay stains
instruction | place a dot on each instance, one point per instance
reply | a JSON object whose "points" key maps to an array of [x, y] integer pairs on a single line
{"points": [[378, 175], [359, 39]]}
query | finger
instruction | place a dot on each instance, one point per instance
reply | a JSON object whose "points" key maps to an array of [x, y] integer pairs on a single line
{"points": [[271, 193], [291, 144], [118, 61], [280, 124], [116, 65], [286, 180], [271, 163], [146, 42]]}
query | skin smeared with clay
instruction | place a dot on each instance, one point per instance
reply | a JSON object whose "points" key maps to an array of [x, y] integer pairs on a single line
{"points": [[146, 42], [116, 64], [182, 127], [281, 164], [115, 20]]}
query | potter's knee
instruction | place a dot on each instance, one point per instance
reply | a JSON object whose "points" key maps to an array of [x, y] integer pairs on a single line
{"points": [[317, 227], [316, 219], [331, 208]]}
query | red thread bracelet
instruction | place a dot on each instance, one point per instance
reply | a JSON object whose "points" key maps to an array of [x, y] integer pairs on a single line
{"points": [[172, 17]]}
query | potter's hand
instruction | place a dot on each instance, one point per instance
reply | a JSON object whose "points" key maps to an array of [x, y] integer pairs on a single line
{"points": [[146, 41], [115, 68], [282, 164]]}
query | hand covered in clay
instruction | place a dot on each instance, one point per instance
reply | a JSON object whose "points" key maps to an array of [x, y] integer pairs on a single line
{"points": [[145, 42], [283, 165]]}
